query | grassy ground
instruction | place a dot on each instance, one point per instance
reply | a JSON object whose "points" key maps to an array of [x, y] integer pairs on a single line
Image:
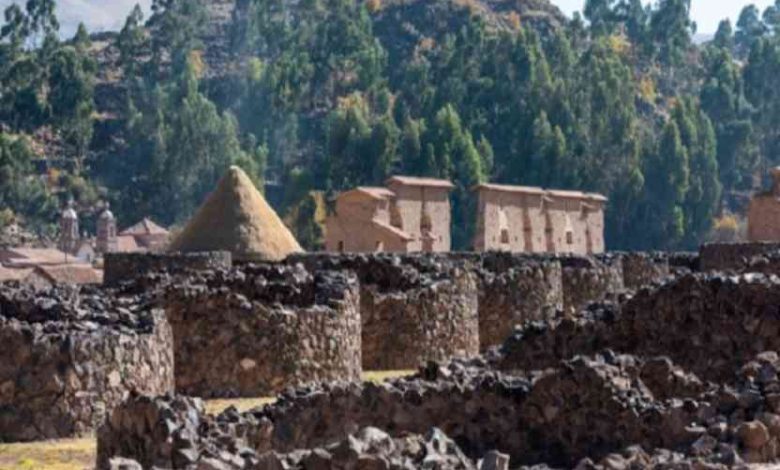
{"points": [[79, 454]]}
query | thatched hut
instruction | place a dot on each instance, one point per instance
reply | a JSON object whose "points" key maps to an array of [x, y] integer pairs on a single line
{"points": [[236, 218]]}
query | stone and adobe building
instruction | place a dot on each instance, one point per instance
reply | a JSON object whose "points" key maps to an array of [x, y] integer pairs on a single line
{"points": [[411, 214], [523, 219], [764, 213]]}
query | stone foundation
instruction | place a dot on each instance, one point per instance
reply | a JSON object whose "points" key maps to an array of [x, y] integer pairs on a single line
{"points": [[123, 267], [590, 279], [256, 330], [414, 308], [69, 356], [514, 289]]}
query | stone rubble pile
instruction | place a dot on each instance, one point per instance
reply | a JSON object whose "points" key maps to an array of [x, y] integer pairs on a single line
{"points": [[69, 355]]}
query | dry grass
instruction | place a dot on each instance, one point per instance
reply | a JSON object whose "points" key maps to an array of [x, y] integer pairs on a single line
{"points": [[79, 454], [242, 404], [71, 454]]}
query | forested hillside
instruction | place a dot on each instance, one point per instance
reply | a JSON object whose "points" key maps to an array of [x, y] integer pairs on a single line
{"points": [[327, 94]]}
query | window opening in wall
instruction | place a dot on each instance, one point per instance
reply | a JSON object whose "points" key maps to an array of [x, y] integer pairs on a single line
{"points": [[341, 246]]}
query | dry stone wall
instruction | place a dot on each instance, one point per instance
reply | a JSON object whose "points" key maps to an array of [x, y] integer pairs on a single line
{"points": [[413, 308], [255, 330], [514, 289], [587, 407], [124, 267], [640, 269], [590, 279], [732, 256], [708, 324], [69, 356]]}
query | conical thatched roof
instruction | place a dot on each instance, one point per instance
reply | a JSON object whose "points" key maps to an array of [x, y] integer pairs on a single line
{"points": [[236, 218]]}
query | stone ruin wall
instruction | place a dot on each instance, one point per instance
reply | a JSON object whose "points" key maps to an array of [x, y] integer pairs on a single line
{"points": [[589, 279], [732, 256], [69, 357], [514, 289], [708, 324], [575, 393], [413, 308], [253, 331], [586, 408], [124, 267]]}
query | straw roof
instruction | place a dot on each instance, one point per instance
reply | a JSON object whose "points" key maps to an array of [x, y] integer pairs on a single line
{"points": [[237, 218]]}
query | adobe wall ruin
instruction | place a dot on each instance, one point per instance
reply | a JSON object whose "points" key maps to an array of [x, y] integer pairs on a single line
{"points": [[254, 330], [413, 308], [69, 356], [123, 267]]}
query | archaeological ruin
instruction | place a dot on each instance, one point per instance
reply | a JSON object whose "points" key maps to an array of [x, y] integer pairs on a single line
{"points": [[69, 356], [618, 360], [253, 331]]}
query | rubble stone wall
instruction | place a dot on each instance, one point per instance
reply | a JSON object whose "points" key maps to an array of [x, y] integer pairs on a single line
{"points": [[588, 407], [640, 269], [514, 289], [255, 330], [707, 324], [732, 256], [68, 357], [413, 308], [123, 267], [590, 279]]}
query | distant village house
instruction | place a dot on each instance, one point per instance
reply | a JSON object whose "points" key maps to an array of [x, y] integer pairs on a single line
{"points": [[409, 215], [522, 219], [413, 215], [764, 213]]}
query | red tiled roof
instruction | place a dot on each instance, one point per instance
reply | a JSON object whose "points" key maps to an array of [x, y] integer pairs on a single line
{"points": [[29, 257], [126, 244], [145, 227], [509, 188], [576, 195], [71, 274], [418, 181], [395, 231], [370, 192], [376, 192], [9, 274]]}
